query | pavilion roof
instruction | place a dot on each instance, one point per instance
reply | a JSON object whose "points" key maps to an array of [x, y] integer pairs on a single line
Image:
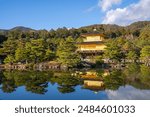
{"points": [[91, 42]]}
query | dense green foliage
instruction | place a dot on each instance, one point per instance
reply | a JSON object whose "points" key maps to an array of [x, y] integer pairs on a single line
{"points": [[145, 53], [133, 49], [66, 53], [26, 45]]}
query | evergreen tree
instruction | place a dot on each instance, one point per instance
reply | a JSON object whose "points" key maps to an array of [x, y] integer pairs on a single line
{"points": [[66, 53], [145, 53]]}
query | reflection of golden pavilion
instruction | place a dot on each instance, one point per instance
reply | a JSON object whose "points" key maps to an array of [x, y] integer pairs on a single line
{"points": [[93, 85], [93, 75], [92, 43], [89, 75], [93, 81]]}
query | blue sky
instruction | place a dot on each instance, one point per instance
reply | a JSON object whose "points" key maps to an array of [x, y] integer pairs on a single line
{"points": [[47, 14]]}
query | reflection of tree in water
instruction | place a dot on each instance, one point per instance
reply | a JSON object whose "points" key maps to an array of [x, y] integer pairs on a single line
{"points": [[137, 76], [8, 86], [1, 77], [36, 82], [145, 75], [132, 75], [8, 82], [66, 89], [114, 80], [132, 72], [66, 82]]}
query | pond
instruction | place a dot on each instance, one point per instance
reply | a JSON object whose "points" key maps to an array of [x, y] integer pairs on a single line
{"points": [[132, 82]]}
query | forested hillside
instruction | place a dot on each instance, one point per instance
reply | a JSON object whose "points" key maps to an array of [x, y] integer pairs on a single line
{"points": [[21, 44]]}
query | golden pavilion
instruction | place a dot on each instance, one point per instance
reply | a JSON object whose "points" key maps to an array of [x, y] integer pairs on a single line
{"points": [[92, 43]]}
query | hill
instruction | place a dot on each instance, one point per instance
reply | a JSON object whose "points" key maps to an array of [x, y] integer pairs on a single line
{"points": [[138, 25], [109, 30], [113, 30], [21, 28]]}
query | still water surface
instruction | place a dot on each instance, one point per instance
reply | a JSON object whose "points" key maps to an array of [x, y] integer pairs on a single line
{"points": [[133, 82]]}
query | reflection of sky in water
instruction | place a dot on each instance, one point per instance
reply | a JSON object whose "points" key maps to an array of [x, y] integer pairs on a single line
{"points": [[53, 94], [128, 93]]}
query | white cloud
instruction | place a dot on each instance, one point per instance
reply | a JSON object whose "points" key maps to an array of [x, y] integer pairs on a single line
{"points": [[128, 93], [133, 12], [107, 4]]}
